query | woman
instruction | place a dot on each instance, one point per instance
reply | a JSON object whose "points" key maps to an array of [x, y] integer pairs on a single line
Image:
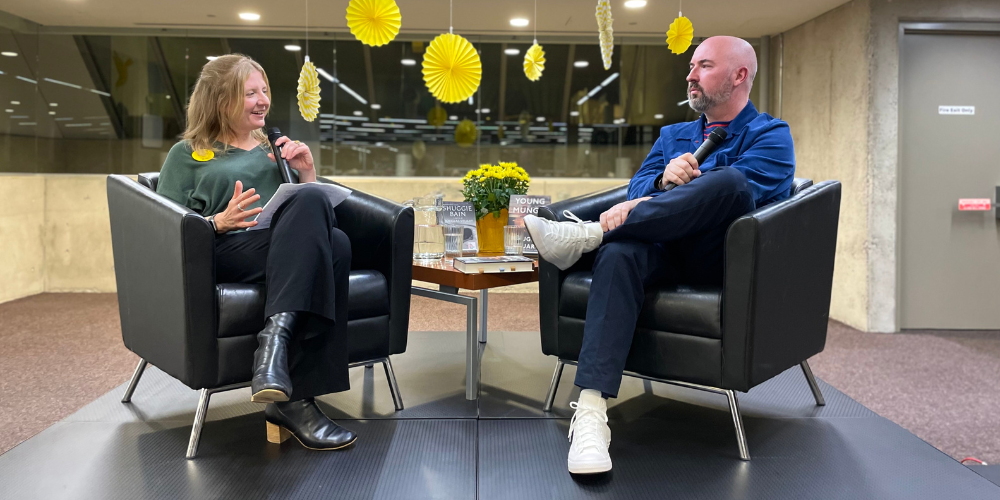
{"points": [[302, 257]]}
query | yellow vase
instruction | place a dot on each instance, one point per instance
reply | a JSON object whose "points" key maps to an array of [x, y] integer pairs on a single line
{"points": [[490, 232]]}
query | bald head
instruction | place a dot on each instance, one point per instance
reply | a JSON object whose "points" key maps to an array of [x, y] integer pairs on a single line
{"points": [[722, 73]]}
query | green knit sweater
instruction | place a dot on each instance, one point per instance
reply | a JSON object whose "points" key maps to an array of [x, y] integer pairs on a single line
{"points": [[207, 186]]}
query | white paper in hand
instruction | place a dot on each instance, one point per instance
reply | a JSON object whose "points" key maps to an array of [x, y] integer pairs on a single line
{"points": [[334, 193]]}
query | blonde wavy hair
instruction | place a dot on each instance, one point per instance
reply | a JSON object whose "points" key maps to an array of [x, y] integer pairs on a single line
{"points": [[217, 102]]}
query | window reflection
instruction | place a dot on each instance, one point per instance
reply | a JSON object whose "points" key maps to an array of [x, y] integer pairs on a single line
{"points": [[115, 104]]}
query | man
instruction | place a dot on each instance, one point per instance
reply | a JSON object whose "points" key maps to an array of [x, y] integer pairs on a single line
{"points": [[661, 234]]}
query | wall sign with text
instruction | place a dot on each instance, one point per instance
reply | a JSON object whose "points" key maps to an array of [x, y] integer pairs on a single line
{"points": [[956, 110]]}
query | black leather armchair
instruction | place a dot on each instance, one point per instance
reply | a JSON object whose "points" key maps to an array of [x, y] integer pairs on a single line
{"points": [[176, 317], [770, 313]]}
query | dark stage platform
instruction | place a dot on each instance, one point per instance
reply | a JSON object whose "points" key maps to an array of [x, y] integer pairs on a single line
{"points": [[667, 442]]}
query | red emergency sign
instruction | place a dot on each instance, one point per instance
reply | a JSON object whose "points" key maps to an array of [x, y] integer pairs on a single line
{"points": [[974, 204]]}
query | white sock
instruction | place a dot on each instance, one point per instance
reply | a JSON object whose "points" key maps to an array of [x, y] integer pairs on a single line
{"points": [[595, 229], [591, 398]]}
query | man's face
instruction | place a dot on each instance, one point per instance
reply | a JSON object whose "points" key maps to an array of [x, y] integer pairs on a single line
{"points": [[709, 81]]}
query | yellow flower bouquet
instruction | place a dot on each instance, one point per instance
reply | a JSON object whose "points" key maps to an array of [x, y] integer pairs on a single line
{"points": [[489, 188]]}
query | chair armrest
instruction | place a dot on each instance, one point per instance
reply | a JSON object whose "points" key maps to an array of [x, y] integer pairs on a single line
{"points": [[164, 257], [778, 280], [381, 234], [550, 278]]}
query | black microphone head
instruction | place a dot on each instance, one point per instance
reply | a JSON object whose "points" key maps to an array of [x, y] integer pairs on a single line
{"points": [[718, 135], [273, 134]]}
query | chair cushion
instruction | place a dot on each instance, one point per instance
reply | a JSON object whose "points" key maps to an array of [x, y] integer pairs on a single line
{"points": [[241, 305], [670, 308]]}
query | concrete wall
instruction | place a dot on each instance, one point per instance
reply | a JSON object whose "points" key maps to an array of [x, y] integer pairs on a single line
{"points": [[55, 234], [825, 93], [22, 247]]}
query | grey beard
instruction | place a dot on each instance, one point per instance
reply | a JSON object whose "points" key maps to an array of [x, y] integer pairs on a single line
{"points": [[706, 101]]}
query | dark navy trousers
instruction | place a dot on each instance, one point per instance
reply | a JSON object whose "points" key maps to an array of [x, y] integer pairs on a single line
{"points": [[676, 236]]}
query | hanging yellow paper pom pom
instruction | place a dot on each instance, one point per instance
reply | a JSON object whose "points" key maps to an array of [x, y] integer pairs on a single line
{"points": [[465, 133], [436, 116], [308, 91], [606, 32], [373, 22], [679, 35], [452, 68], [534, 62]]}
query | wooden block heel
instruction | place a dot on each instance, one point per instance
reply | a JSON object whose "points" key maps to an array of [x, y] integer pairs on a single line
{"points": [[277, 434]]}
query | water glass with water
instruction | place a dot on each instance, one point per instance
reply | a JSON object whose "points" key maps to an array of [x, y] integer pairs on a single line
{"points": [[513, 240], [453, 241]]}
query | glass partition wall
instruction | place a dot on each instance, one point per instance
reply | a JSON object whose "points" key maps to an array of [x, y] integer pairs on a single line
{"points": [[115, 104]]}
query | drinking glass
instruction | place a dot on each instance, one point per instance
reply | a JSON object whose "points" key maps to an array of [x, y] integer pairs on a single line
{"points": [[513, 240], [428, 242], [453, 241]]}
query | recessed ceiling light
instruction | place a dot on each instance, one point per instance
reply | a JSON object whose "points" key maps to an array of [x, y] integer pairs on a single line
{"points": [[249, 16], [15, 102], [658, 116], [52, 112], [540, 119], [408, 62], [581, 64], [376, 106], [293, 48], [519, 22], [168, 96], [359, 113], [512, 52], [635, 4], [9, 110], [453, 117], [8, 53], [53, 104], [485, 111], [211, 58], [574, 113]]}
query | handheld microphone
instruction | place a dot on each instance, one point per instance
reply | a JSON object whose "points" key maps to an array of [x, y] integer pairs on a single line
{"points": [[273, 134], [714, 139]]}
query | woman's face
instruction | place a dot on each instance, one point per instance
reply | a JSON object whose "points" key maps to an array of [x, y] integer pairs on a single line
{"points": [[255, 103]]}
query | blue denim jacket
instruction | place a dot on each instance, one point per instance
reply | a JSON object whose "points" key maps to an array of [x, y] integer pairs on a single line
{"points": [[758, 145]]}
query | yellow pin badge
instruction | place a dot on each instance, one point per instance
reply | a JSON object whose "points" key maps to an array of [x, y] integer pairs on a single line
{"points": [[202, 155]]}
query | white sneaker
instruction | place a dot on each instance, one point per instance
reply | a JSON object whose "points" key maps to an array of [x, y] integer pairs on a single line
{"points": [[591, 437], [562, 243]]}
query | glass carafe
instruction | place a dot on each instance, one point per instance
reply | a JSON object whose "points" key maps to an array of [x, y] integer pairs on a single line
{"points": [[428, 235]]}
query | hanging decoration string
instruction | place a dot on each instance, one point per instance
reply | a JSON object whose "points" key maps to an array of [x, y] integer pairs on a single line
{"points": [[536, 22], [451, 16]]}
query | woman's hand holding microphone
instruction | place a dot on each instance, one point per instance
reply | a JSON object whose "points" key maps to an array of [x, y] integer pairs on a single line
{"points": [[235, 215]]}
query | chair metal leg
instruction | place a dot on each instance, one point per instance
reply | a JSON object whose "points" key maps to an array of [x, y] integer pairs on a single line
{"points": [[741, 438], [397, 399], [553, 386], [812, 383], [141, 367], [199, 421]]}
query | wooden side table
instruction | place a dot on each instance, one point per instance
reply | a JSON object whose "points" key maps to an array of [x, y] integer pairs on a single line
{"points": [[449, 280]]}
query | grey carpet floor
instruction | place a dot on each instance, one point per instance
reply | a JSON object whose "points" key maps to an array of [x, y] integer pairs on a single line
{"points": [[58, 352]]}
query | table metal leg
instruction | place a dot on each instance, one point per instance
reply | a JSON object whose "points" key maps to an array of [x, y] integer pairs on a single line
{"points": [[471, 353], [484, 298], [472, 348]]}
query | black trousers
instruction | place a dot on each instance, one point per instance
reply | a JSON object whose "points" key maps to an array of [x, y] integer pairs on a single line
{"points": [[678, 235], [305, 262]]}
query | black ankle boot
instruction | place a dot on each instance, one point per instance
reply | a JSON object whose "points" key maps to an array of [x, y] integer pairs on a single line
{"points": [[271, 382], [310, 426]]}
